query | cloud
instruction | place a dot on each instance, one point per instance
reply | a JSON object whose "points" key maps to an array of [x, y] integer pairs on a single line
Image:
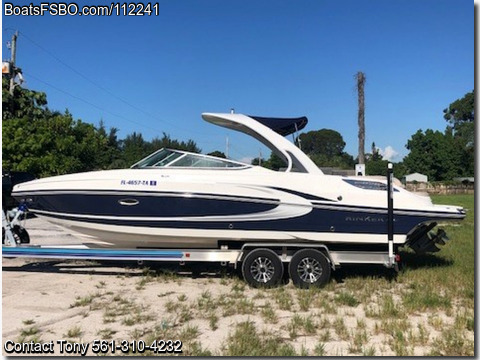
{"points": [[389, 153], [246, 160]]}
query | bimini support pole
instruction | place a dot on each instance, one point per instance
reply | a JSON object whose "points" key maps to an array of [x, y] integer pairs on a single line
{"points": [[391, 255]]}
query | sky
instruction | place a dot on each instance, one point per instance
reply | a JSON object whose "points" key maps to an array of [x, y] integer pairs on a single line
{"points": [[282, 58]]}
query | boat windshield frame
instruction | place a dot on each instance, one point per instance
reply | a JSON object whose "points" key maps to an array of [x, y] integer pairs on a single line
{"points": [[179, 159]]}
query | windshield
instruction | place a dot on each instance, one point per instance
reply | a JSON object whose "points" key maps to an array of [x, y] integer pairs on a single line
{"points": [[183, 159]]}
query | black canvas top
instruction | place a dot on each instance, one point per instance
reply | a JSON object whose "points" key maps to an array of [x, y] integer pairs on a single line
{"points": [[283, 126]]}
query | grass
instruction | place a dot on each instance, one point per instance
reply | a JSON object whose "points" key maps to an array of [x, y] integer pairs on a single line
{"points": [[385, 308], [340, 328], [106, 333], [319, 349], [74, 332], [305, 298], [368, 351], [346, 298], [84, 301], [421, 297], [427, 307], [283, 299], [246, 340], [29, 331], [188, 333], [213, 321], [440, 284], [325, 336], [357, 340], [447, 274], [129, 312], [452, 341], [269, 314]]}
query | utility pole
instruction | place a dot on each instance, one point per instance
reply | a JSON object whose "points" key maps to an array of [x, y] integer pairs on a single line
{"points": [[227, 145], [12, 62]]}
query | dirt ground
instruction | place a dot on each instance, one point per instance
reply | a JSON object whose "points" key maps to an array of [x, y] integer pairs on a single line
{"points": [[80, 302]]}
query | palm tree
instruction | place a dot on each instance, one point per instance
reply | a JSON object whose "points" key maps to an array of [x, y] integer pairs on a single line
{"points": [[360, 77]]}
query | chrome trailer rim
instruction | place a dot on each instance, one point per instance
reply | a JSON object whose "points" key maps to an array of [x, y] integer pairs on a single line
{"points": [[309, 270], [262, 269]]}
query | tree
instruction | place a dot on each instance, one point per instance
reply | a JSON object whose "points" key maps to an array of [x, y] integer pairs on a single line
{"points": [[461, 110], [258, 161], [361, 79], [461, 118], [377, 167], [167, 142], [218, 154], [134, 148], [374, 163], [325, 148], [23, 102], [111, 156], [434, 154], [341, 161], [443, 156], [53, 145], [274, 163], [399, 170], [375, 155], [325, 141], [45, 142]]}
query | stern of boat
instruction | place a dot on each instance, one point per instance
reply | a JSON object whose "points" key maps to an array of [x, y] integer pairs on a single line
{"points": [[423, 239]]}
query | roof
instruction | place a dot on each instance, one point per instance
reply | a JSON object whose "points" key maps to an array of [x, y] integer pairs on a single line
{"points": [[416, 174]]}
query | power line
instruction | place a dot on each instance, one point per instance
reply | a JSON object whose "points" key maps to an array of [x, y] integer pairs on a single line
{"points": [[203, 135], [103, 88], [88, 102], [99, 107]]}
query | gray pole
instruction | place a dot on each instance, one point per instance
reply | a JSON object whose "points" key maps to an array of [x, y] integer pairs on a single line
{"points": [[361, 78], [12, 62], [227, 145]]}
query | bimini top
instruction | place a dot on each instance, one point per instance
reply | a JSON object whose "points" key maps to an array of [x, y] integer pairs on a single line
{"points": [[269, 132], [282, 126]]}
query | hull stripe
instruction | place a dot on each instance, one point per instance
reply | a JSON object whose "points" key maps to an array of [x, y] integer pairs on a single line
{"points": [[328, 205]]}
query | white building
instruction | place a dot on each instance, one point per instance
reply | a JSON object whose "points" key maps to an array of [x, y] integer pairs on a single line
{"points": [[416, 177]]}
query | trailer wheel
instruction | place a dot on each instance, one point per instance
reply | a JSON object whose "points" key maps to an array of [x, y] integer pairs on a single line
{"points": [[262, 268], [308, 268], [19, 234]]}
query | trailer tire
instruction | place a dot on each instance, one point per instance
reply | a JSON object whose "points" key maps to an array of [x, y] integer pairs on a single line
{"points": [[262, 268], [19, 233], [309, 268]]}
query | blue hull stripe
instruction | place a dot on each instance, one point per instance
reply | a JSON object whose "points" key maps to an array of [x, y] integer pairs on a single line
{"points": [[173, 211], [151, 206], [316, 221]]}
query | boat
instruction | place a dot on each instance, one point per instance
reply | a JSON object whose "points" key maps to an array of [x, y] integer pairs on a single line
{"points": [[179, 199]]}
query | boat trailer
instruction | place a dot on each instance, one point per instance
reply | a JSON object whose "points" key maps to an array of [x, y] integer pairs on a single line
{"points": [[262, 264]]}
